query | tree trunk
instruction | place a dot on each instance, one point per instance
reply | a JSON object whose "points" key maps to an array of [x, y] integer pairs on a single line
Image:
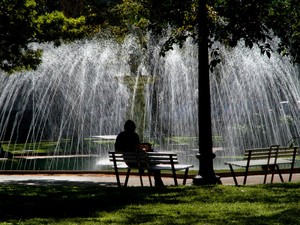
{"points": [[206, 171]]}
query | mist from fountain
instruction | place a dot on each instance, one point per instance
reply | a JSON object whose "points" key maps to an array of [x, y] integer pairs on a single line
{"points": [[75, 95]]}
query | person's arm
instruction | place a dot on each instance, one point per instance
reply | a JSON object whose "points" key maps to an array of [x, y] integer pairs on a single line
{"points": [[117, 144], [137, 138]]}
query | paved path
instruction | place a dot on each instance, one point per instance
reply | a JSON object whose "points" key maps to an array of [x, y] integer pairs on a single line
{"points": [[110, 179]]}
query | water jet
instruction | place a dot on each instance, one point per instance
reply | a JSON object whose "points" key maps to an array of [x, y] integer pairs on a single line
{"points": [[75, 95]]}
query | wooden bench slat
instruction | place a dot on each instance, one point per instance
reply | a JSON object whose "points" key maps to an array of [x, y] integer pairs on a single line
{"points": [[266, 154], [162, 153], [157, 161], [169, 167], [259, 162]]}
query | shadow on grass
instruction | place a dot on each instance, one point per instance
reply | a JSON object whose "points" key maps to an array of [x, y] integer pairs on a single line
{"points": [[231, 204], [65, 199]]}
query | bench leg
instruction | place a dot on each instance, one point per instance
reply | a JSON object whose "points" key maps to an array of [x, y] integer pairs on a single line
{"points": [[246, 175], [273, 172], [117, 174], [149, 176], [233, 175], [291, 173], [175, 180], [127, 177], [118, 179], [279, 173], [175, 177], [185, 176], [265, 170], [141, 178]]}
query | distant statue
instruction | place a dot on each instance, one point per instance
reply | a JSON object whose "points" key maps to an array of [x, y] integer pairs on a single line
{"points": [[136, 53], [137, 31], [129, 141]]}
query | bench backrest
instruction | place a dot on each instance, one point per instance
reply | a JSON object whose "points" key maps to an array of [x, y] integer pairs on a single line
{"points": [[162, 158], [271, 152], [128, 157], [142, 159]]}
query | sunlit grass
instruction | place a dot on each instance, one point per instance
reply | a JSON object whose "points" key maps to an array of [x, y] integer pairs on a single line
{"points": [[259, 204]]}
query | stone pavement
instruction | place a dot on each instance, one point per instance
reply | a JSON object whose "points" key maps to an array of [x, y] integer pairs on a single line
{"points": [[102, 179]]}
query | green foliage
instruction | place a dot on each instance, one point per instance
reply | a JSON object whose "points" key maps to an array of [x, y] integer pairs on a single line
{"points": [[241, 20], [129, 16], [177, 14], [98, 14], [256, 22], [181, 16], [21, 24], [27, 21], [36, 147], [56, 27], [51, 147], [17, 29], [230, 21], [132, 12], [93, 204], [284, 19]]}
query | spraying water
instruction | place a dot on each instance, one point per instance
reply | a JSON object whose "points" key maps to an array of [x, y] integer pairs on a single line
{"points": [[79, 92], [255, 100]]}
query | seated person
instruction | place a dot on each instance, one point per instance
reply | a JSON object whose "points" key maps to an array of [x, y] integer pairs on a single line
{"points": [[128, 141]]}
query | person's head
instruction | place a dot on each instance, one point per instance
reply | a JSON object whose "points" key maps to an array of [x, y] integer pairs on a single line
{"points": [[129, 126]]}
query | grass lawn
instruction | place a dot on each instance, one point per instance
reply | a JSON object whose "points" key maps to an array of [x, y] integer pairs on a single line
{"points": [[259, 204]]}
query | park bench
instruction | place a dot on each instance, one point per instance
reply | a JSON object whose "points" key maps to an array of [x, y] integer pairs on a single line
{"points": [[119, 159], [268, 159], [167, 161], [150, 161]]}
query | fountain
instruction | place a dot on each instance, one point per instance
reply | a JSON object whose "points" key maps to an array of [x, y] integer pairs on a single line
{"points": [[81, 91], [256, 100]]}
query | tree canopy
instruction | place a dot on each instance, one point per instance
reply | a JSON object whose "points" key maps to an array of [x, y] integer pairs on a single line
{"points": [[24, 22], [284, 20], [17, 29], [258, 22]]}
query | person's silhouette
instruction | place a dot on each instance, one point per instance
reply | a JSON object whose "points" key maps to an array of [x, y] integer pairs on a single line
{"points": [[128, 141]]}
